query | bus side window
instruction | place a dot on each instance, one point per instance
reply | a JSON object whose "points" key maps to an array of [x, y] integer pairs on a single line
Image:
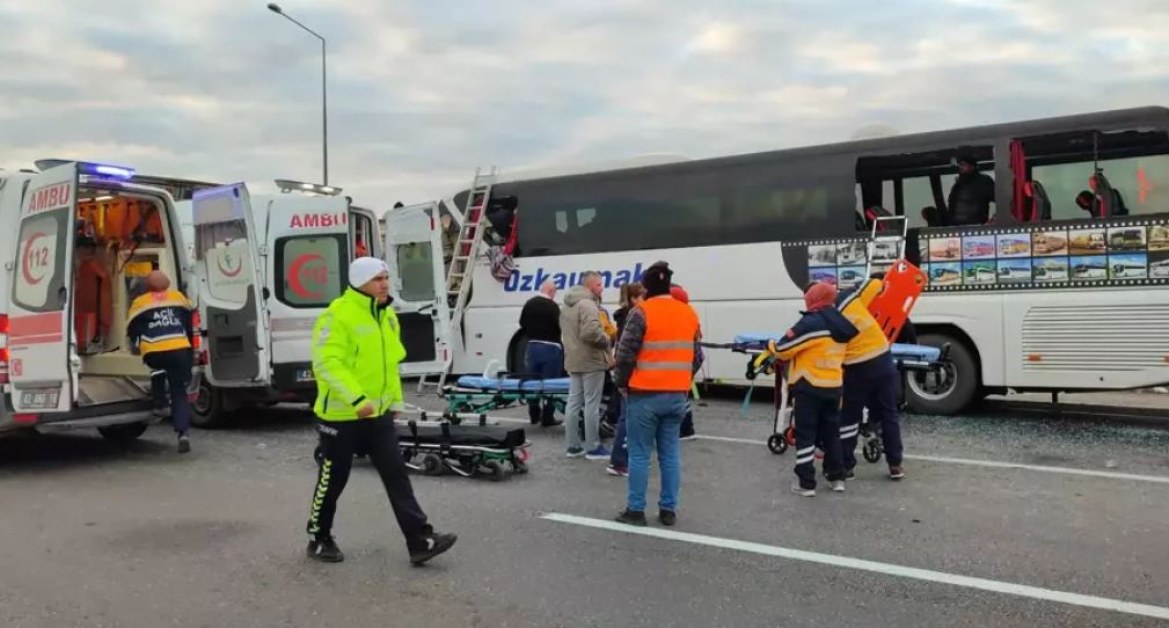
{"points": [[1134, 174]]}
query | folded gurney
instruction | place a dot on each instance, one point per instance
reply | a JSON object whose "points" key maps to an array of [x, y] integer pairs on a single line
{"points": [[478, 394], [478, 383], [465, 449]]}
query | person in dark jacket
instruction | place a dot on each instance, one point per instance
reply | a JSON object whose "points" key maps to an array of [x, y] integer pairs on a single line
{"points": [[632, 295], [540, 323], [814, 349], [971, 196], [161, 329]]}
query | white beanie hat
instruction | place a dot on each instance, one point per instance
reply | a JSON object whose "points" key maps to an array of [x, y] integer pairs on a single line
{"points": [[364, 269]]}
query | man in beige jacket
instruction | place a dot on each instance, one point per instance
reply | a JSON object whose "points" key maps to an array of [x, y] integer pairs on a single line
{"points": [[587, 356]]}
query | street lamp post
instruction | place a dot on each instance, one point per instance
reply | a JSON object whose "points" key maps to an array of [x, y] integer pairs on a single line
{"points": [[275, 8]]}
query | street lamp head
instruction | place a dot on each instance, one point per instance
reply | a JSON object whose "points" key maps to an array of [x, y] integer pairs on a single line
{"points": [[275, 8]]}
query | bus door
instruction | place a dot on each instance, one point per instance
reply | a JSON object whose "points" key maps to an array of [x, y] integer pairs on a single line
{"points": [[415, 256], [43, 363], [231, 293], [309, 252]]}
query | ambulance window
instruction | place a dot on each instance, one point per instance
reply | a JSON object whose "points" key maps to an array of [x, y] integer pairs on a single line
{"points": [[415, 264], [363, 236], [40, 263], [312, 269]]}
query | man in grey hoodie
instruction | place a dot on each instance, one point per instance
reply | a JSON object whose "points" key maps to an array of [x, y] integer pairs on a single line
{"points": [[587, 356]]}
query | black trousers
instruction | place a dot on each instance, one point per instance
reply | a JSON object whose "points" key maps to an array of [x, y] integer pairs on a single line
{"points": [[172, 370], [379, 439], [817, 419]]}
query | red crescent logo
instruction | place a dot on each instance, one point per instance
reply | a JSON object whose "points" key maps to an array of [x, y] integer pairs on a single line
{"points": [[231, 271], [26, 259], [298, 267]]}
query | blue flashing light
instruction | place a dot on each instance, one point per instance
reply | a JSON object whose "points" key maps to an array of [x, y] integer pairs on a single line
{"points": [[105, 170]]}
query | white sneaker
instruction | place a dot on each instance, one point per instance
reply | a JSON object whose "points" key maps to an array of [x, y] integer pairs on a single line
{"points": [[803, 492], [838, 486]]}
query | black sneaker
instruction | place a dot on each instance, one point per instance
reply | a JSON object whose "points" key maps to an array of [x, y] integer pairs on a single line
{"points": [[552, 423], [184, 444], [667, 517], [435, 545], [632, 518], [849, 474], [325, 550]]}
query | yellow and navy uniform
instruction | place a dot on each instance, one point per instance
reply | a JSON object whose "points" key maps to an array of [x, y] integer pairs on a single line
{"points": [[161, 321], [870, 341], [815, 348]]}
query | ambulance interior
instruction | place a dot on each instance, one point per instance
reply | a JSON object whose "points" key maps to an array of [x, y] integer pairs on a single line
{"points": [[121, 237]]}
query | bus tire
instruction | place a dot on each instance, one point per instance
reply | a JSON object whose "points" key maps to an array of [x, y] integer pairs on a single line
{"points": [[209, 409], [126, 433], [953, 393]]}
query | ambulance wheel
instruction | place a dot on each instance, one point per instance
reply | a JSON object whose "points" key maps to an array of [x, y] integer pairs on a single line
{"points": [[494, 470], [209, 410], [432, 465], [127, 433], [777, 444], [872, 451]]}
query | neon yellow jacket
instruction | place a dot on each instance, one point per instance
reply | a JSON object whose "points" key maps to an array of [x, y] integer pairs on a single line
{"points": [[357, 347]]}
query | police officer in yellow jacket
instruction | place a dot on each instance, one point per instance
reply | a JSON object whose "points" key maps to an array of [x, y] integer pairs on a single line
{"points": [[814, 349], [870, 379], [160, 328], [356, 351]]}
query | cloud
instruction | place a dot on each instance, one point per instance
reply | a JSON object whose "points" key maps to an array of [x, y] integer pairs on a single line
{"points": [[420, 94]]}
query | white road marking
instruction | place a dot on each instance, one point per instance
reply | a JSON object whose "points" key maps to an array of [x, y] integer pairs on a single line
{"points": [[900, 571], [995, 464]]}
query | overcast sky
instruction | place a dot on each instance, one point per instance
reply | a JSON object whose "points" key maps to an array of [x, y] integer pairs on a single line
{"points": [[422, 92]]}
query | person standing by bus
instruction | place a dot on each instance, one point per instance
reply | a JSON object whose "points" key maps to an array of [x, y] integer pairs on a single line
{"points": [[356, 351], [870, 379], [544, 356], [586, 358], [632, 295], [161, 328], [815, 348], [656, 360]]}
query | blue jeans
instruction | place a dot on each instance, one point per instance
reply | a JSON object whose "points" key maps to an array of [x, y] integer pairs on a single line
{"points": [[547, 361], [620, 455], [654, 419]]}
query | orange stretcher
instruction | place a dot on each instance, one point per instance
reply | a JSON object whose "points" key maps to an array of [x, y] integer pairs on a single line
{"points": [[903, 284]]}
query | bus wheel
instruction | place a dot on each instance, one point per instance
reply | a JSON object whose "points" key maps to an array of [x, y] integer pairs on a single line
{"points": [[949, 390], [208, 410], [123, 433]]}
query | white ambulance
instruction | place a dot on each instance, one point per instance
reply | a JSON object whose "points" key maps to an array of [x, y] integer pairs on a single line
{"points": [[267, 267], [79, 242]]}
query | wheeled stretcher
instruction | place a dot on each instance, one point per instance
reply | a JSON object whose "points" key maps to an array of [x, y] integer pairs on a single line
{"points": [[479, 394], [906, 357]]}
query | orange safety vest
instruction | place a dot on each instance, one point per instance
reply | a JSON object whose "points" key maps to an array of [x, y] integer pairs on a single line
{"points": [[666, 360]]}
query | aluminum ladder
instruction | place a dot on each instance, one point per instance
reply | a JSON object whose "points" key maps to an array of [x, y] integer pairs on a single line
{"points": [[458, 279], [894, 237]]}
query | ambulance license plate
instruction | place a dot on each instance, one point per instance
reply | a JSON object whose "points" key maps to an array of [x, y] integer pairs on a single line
{"points": [[40, 398], [304, 375]]}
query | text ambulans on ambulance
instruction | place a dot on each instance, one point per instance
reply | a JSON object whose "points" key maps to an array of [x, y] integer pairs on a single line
{"points": [[267, 267], [79, 240]]}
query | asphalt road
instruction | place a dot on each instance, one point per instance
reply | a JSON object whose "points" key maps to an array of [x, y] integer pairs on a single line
{"points": [[1001, 522]]}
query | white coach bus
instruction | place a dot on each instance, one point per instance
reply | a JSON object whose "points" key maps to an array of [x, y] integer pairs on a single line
{"points": [[744, 235]]}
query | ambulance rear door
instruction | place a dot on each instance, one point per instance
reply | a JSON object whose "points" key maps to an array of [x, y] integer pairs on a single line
{"points": [[231, 292], [44, 364], [414, 255], [309, 247]]}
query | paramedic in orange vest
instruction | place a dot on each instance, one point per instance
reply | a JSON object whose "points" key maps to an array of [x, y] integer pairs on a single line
{"points": [[870, 379], [814, 349], [160, 327], [656, 358]]}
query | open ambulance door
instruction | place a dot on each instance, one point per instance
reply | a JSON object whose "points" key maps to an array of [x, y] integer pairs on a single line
{"points": [[418, 283], [231, 294], [43, 361]]}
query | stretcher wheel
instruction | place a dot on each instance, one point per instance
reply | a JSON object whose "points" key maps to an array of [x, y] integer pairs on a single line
{"points": [[432, 464], [519, 466], [494, 469], [777, 444], [872, 451]]}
